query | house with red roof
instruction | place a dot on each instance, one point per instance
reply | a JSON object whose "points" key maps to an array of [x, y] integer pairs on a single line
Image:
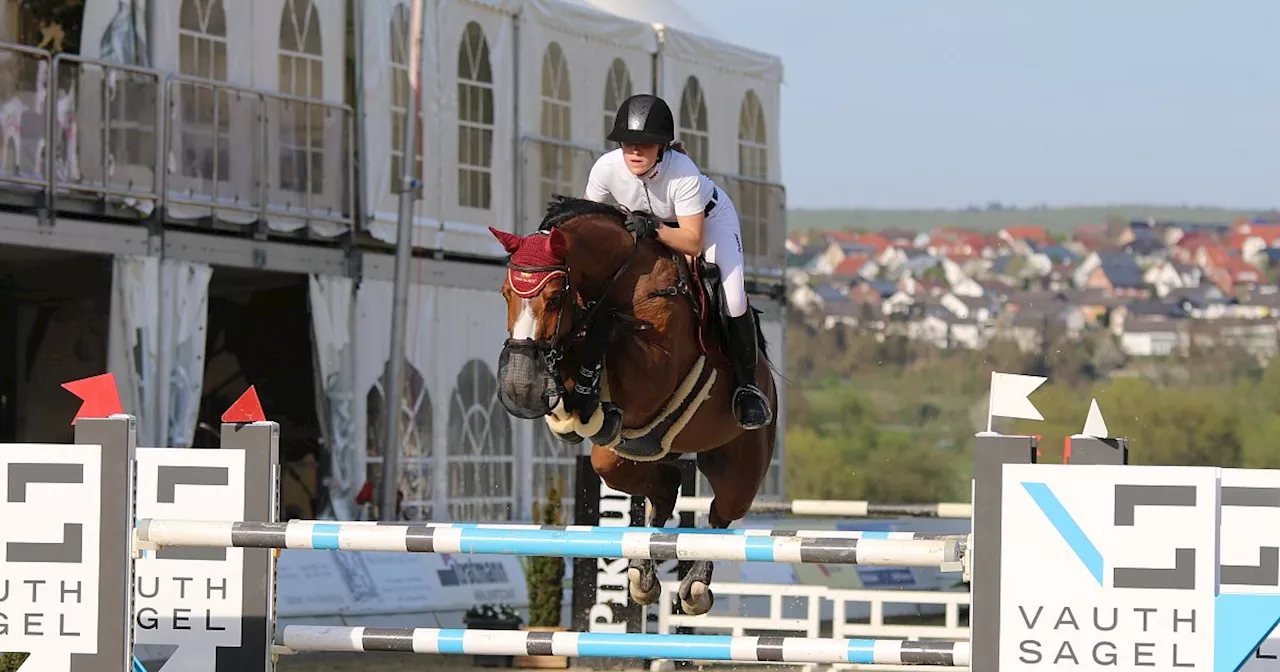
{"points": [[1036, 235], [1235, 275], [855, 266]]}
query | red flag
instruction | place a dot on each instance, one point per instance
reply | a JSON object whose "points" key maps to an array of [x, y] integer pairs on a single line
{"points": [[100, 396], [246, 409]]}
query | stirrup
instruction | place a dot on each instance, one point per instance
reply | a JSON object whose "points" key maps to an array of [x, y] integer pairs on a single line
{"points": [[744, 392]]}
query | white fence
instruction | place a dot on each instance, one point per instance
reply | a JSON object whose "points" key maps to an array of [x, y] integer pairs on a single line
{"points": [[802, 609]]}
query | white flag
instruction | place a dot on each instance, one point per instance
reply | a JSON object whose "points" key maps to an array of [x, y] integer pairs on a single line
{"points": [[1094, 425], [1009, 394]]}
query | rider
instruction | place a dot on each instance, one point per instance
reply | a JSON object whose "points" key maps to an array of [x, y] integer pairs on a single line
{"points": [[649, 173]]}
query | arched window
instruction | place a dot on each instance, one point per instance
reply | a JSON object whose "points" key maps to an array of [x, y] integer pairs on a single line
{"points": [[752, 197], [693, 123], [753, 148], [475, 120], [416, 446], [205, 113], [617, 88], [400, 92], [553, 458], [481, 458], [557, 162], [301, 75]]}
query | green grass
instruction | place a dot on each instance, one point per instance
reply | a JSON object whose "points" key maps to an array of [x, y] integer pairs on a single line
{"points": [[1058, 220]]}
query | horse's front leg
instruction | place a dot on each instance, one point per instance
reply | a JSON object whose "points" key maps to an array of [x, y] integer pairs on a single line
{"points": [[599, 422], [642, 575], [657, 482]]}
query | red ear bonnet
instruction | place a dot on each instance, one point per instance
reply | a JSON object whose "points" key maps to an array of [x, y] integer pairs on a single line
{"points": [[535, 262], [510, 241]]}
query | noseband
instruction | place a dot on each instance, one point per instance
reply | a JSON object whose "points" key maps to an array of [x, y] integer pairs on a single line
{"points": [[552, 349]]}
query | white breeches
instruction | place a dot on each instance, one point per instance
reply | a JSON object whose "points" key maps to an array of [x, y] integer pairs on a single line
{"points": [[722, 246]]}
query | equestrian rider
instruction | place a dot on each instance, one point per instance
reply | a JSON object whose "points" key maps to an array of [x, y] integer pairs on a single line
{"points": [[647, 172]]}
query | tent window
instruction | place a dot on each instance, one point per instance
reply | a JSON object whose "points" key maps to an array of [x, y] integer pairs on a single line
{"points": [[204, 112], [693, 123], [475, 120], [301, 132], [617, 88], [400, 92], [753, 150], [557, 161], [480, 453]]}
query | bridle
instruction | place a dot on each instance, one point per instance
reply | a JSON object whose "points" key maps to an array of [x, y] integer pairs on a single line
{"points": [[584, 316]]}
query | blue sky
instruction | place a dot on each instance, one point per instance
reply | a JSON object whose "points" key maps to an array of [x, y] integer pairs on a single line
{"points": [[950, 103]]}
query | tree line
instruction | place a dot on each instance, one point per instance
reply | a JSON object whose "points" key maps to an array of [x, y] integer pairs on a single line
{"points": [[887, 419]]}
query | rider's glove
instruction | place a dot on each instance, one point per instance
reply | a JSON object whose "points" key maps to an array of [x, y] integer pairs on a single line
{"points": [[643, 225]]}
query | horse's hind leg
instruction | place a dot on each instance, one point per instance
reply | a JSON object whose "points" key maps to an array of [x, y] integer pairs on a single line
{"points": [[735, 472], [658, 482]]}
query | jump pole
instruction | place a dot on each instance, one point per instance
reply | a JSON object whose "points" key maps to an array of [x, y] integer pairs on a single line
{"points": [[775, 649], [855, 508], [582, 543], [733, 531]]}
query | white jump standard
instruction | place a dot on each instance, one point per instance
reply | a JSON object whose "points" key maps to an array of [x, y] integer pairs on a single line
{"points": [[308, 638], [600, 542]]}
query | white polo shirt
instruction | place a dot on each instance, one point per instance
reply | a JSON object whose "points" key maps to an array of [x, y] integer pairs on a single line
{"points": [[674, 187]]}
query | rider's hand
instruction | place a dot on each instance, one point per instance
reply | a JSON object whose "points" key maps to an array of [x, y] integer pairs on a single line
{"points": [[643, 225]]}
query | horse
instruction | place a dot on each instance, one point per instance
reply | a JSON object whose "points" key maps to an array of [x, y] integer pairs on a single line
{"points": [[621, 342]]}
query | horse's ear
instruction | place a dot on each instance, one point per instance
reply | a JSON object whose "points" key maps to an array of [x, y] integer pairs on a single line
{"points": [[556, 241], [510, 241]]}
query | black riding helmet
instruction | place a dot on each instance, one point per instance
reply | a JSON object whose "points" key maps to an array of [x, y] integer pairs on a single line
{"points": [[644, 119]]}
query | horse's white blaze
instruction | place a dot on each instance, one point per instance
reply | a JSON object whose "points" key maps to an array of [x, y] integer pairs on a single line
{"points": [[525, 326]]}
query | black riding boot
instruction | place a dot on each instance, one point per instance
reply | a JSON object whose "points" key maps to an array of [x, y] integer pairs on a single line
{"points": [[750, 406]]}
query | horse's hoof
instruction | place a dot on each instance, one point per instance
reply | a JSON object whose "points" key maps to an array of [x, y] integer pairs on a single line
{"points": [[638, 592], [569, 437], [698, 601]]}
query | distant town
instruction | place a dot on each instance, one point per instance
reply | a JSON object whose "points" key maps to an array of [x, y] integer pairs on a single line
{"points": [[1161, 287]]}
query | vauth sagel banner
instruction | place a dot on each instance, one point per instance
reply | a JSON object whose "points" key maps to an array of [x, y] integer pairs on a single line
{"points": [[1137, 567]]}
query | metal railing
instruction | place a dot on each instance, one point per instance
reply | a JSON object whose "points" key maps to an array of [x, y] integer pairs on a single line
{"points": [[25, 124], [120, 107], [72, 125], [762, 216], [198, 170], [548, 166]]}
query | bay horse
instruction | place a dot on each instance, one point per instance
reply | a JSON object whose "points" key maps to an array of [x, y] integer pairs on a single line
{"points": [[615, 340]]}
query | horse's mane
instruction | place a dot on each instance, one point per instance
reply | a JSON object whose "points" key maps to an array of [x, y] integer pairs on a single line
{"points": [[564, 208]]}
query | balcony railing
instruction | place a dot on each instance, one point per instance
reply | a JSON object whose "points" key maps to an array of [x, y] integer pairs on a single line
{"points": [[78, 128], [126, 140]]}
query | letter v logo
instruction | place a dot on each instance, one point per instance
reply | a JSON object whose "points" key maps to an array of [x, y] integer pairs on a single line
{"points": [[1067, 528]]}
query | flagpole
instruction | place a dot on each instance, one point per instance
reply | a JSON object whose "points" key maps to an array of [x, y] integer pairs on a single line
{"points": [[400, 293]]}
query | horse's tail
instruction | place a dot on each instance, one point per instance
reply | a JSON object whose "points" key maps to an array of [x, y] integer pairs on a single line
{"points": [[762, 344], [762, 348]]}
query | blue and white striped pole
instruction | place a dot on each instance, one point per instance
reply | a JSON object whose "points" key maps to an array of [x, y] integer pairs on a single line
{"points": [[775, 649], [603, 542], [738, 531]]}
